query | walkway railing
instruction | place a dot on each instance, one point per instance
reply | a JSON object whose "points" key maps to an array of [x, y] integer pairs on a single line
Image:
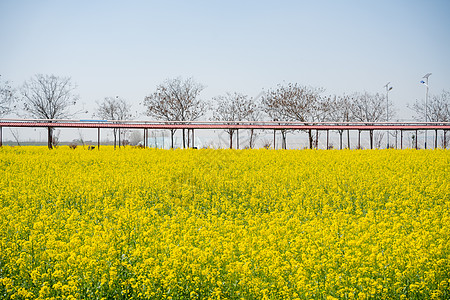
{"points": [[233, 125]]}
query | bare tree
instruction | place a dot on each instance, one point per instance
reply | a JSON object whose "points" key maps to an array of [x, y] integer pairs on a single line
{"points": [[6, 97], [293, 102], [234, 107], [162, 105], [254, 115], [48, 97], [370, 108], [272, 103], [317, 113], [438, 110], [378, 138], [176, 100], [340, 110], [114, 108]]}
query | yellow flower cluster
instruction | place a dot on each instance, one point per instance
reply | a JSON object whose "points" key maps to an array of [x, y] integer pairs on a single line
{"points": [[224, 224]]}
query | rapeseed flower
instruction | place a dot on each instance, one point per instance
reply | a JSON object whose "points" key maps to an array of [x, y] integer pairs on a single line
{"points": [[224, 224]]}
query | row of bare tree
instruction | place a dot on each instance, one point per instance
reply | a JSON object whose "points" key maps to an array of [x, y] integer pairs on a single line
{"points": [[177, 100], [50, 97]]}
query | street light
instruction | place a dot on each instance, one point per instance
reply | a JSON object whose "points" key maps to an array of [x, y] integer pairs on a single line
{"points": [[388, 88], [426, 104]]}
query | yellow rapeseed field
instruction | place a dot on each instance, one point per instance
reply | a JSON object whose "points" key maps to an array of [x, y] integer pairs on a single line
{"points": [[224, 224]]}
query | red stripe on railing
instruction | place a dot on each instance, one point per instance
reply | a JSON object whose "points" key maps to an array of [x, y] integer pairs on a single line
{"points": [[414, 126]]}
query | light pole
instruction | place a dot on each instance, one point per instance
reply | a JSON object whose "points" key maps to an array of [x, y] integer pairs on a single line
{"points": [[388, 88], [426, 104]]}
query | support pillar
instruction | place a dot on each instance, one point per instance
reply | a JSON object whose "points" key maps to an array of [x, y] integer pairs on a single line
{"points": [[348, 139], [317, 139], [416, 139], [396, 139], [98, 138], [1, 137], [145, 137]]}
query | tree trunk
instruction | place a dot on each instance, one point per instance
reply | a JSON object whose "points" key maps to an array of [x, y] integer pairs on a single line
{"points": [[359, 139], [172, 133], [435, 138], [401, 139], [184, 139], [251, 141], [310, 138], [50, 138], [371, 138], [283, 135], [115, 137], [188, 138], [340, 139], [231, 138]]}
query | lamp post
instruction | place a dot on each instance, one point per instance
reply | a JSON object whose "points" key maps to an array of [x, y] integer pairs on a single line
{"points": [[388, 88], [426, 104]]}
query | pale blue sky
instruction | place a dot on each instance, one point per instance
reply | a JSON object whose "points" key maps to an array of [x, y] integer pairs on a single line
{"points": [[126, 48]]}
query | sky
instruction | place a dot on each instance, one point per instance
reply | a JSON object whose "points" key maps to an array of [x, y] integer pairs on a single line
{"points": [[127, 48]]}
